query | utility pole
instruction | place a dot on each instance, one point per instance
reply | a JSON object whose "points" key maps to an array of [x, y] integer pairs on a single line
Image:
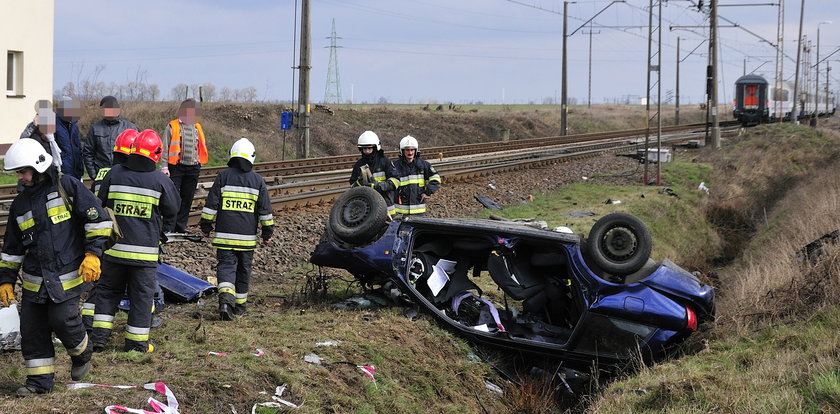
{"points": [[794, 113], [589, 96], [677, 106], [827, 71], [303, 82], [713, 46], [563, 97], [817, 77], [780, 59]]}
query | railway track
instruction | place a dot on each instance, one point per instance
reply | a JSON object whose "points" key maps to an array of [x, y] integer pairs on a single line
{"points": [[295, 184]]}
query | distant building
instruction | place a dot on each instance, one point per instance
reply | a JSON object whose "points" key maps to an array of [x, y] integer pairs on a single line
{"points": [[26, 39]]}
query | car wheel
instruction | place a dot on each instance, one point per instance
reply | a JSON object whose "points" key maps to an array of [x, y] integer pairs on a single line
{"points": [[619, 243], [358, 215]]}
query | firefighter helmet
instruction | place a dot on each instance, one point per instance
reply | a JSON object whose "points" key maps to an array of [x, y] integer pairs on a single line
{"points": [[148, 145], [369, 139], [243, 149], [409, 142], [123, 143], [26, 152]]}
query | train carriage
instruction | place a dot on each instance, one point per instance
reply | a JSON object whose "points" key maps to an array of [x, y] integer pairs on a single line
{"points": [[751, 103]]}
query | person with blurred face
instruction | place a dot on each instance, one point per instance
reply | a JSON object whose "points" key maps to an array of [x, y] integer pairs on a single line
{"points": [[42, 126], [184, 152], [99, 142], [68, 138]]}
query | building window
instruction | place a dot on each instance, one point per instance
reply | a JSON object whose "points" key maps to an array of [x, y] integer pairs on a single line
{"points": [[14, 73]]}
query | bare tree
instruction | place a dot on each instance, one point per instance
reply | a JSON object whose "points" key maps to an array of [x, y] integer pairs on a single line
{"points": [[226, 94], [249, 94], [208, 90], [179, 92], [154, 92]]}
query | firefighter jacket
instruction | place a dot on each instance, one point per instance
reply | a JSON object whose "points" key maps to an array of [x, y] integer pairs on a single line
{"points": [[48, 242], [98, 148], [145, 204], [381, 168], [416, 178], [237, 201]]}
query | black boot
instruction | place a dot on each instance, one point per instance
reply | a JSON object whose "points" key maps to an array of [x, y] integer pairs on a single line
{"points": [[28, 390], [226, 312], [239, 309]]}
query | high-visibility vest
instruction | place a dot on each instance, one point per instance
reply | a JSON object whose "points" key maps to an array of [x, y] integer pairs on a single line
{"points": [[175, 143]]}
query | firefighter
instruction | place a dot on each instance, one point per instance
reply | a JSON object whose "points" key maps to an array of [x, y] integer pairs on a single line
{"points": [[418, 179], [57, 244], [384, 177], [237, 202], [145, 203]]}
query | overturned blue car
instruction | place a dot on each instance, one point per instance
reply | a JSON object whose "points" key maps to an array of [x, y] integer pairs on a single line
{"points": [[599, 298]]}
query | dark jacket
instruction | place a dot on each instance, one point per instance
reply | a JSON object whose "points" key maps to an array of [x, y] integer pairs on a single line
{"points": [[416, 178], [383, 171], [145, 204], [99, 143], [237, 202], [69, 141], [48, 242]]}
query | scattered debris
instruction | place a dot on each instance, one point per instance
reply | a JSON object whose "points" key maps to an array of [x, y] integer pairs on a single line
{"points": [[80, 385], [487, 202], [814, 250], [221, 354], [493, 388], [278, 401], [327, 343], [368, 370], [312, 359], [491, 186], [702, 187], [411, 314], [611, 201], [9, 328], [171, 406], [580, 214], [563, 229], [259, 352], [670, 192]]}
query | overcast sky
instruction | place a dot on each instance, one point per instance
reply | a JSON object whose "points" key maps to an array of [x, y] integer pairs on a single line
{"points": [[418, 51]]}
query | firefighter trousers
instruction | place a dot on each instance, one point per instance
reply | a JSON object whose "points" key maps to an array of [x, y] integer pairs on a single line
{"points": [[110, 289], [233, 274], [37, 323]]}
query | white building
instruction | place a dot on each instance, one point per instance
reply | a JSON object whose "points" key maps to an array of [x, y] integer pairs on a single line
{"points": [[26, 40]]}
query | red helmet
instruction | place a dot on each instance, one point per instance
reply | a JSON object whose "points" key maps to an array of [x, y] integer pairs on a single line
{"points": [[148, 145], [123, 143]]}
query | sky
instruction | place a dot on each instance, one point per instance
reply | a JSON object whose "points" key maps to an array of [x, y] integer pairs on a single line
{"points": [[430, 51]]}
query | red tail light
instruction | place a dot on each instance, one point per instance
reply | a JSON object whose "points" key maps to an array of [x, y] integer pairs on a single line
{"points": [[691, 319]]}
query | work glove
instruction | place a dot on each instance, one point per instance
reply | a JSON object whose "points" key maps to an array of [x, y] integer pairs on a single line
{"points": [[7, 293], [381, 187], [90, 268]]}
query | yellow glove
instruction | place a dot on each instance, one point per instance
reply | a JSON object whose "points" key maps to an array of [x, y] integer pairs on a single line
{"points": [[7, 293], [90, 269]]}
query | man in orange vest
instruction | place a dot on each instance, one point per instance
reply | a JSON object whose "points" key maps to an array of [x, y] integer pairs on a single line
{"points": [[184, 151]]}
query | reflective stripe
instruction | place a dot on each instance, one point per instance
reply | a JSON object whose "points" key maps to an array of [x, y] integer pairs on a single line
{"points": [[420, 180], [235, 242], [435, 177], [227, 287], [103, 321], [129, 251], [410, 209], [32, 283], [25, 221], [11, 258], [241, 298], [51, 204], [40, 366], [267, 217], [70, 280], [79, 348], [136, 334], [103, 228], [208, 213], [240, 189], [135, 190], [88, 309], [234, 236]]}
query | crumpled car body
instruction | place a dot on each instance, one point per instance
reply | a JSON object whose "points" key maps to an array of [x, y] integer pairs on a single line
{"points": [[542, 291]]}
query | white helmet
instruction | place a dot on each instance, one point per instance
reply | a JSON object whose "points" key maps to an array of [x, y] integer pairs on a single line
{"points": [[369, 139], [26, 152], [409, 142], [243, 149]]}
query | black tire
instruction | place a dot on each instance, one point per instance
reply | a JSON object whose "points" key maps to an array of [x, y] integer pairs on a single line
{"points": [[619, 243], [358, 215]]}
